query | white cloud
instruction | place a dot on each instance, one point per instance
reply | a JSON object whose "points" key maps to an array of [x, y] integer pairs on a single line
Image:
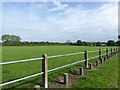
{"points": [[58, 8], [75, 23], [58, 5]]}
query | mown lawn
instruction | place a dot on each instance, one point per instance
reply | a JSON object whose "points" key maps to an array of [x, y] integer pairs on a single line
{"points": [[19, 70], [11, 53], [106, 76]]}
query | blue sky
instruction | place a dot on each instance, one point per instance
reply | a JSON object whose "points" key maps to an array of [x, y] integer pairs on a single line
{"points": [[60, 21]]}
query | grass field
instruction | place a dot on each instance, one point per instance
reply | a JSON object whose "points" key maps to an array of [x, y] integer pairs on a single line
{"points": [[19, 70], [106, 76]]}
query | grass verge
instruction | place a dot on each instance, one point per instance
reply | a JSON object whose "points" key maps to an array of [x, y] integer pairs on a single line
{"points": [[106, 76]]}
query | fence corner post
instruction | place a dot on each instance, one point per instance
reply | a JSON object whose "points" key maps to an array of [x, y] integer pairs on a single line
{"points": [[86, 59], [45, 70]]}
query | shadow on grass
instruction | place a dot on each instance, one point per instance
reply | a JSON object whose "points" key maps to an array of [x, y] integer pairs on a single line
{"points": [[56, 74], [23, 83]]}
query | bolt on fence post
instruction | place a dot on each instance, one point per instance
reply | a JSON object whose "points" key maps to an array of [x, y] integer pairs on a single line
{"points": [[107, 53], [97, 63], [65, 78], [91, 66], [45, 70], [86, 59], [81, 71], [100, 54]]}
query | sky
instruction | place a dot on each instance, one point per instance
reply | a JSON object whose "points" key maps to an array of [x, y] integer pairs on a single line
{"points": [[61, 21]]}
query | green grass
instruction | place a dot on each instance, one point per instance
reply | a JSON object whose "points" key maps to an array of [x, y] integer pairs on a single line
{"points": [[19, 70], [106, 76]]}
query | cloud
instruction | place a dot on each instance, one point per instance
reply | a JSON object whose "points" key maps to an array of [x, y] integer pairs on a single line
{"points": [[58, 5], [73, 23], [58, 8]]}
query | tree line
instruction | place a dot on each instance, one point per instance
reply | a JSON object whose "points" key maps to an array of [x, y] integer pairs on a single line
{"points": [[13, 40]]}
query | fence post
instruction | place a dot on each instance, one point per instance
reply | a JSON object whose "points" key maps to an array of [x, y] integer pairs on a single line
{"points": [[104, 58], [66, 78], [81, 71], [114, 51], [107, 53], [111, 51], [86, 59], [100, 54], [101, 61], [97, 63], [44, 70], [91, 66], [118, 50]]}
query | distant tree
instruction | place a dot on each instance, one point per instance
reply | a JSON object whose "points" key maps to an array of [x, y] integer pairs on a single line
{"points": [[5, 38], [118, 43], [98, 43], [79, 42], [10, 38], [111, 43], [84, 43], [68, 41]]}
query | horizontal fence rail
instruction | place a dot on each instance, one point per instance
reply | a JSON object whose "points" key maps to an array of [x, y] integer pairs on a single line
{"points": [[39, 73], [93, 51], [93, 57], [34, 59], [66, 55], [7, 83], [27, 60], [65, 66], [21, 79], [103, 49]]}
